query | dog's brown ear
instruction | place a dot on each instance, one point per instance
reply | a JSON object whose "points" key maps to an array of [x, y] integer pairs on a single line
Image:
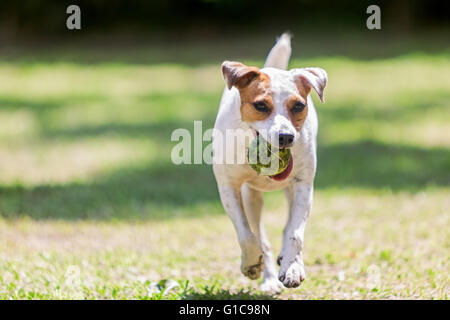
{"points": [[315, 78], [238, 74]]}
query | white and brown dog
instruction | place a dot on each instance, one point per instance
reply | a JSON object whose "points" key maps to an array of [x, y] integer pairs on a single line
{"points": [[275, 103]]}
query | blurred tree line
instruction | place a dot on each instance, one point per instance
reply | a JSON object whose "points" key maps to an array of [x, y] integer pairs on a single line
{"points": [[48, 17]]}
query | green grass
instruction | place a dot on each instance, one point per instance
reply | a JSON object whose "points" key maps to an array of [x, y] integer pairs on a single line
{"points": [[91, 206]]}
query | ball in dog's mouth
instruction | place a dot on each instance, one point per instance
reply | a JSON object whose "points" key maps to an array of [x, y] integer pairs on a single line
{"points": [[260, 147]]}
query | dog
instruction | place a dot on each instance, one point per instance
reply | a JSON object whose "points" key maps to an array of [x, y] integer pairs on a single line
{"points": [[274, 103]]}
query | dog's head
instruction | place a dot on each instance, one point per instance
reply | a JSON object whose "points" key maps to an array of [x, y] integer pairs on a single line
{"points": [[274, 101]]}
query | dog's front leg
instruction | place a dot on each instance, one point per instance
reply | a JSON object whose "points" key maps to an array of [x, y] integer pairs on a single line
{"points": [[252, 261], [292, 271]]}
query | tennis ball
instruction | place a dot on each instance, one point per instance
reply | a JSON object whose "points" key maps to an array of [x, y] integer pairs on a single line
{"points": [[261, 154]]}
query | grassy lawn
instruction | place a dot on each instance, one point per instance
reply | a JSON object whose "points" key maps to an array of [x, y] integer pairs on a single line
{"points": [[91, 206]]}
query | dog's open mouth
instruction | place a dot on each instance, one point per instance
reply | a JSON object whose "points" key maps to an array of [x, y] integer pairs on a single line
{"points": [[286, 172]]}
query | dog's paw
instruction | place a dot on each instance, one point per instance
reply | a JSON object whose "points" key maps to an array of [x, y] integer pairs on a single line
{"points": [[253, 271], [292, 274], [252, 260], [271, 286]]}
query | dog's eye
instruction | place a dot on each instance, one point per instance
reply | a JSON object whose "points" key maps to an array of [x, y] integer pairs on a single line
{"points": [[261, 107], [298, 107]]}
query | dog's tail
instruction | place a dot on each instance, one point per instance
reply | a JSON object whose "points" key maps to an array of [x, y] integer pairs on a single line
{"points": [[281, 52]]}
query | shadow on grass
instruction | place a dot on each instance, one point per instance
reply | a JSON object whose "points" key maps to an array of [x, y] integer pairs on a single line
{"points": [[358, 45], [156, 191], [163, 190], [369, 164]]}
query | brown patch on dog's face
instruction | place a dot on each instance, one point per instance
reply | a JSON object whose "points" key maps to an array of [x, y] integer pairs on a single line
{"points": [[256, 99], [297, 110], [254, 89]]}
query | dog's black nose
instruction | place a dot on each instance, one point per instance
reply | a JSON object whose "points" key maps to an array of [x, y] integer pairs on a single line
{"points": [[285, 139]]}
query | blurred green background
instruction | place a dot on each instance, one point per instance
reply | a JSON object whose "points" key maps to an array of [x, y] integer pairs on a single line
{"points": [[86, 181]]}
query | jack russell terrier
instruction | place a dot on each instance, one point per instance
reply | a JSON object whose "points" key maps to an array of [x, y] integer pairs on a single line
{"points": [[274, 103]]}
